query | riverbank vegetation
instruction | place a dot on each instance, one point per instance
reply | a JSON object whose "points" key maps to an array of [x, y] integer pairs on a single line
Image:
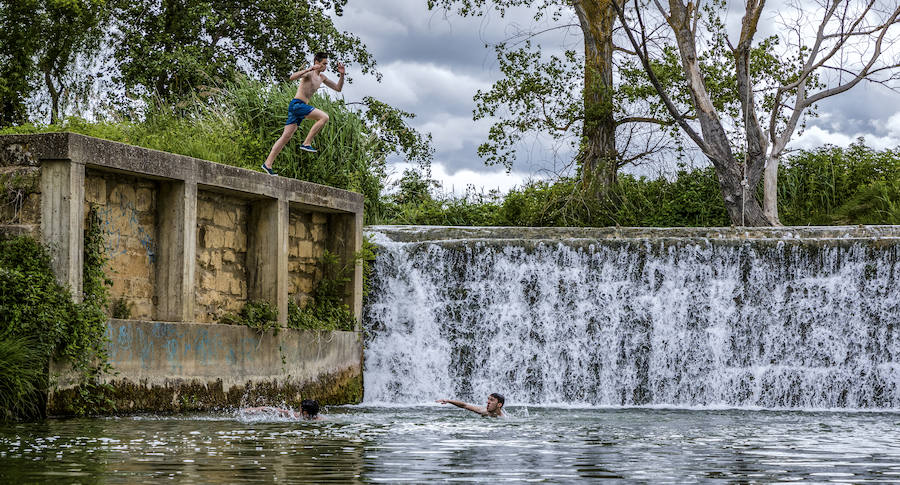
{"points": [[39, 321], [826, 186]]}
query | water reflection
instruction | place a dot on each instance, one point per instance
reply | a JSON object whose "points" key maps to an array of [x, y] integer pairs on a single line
{"points": [[420, 444]]}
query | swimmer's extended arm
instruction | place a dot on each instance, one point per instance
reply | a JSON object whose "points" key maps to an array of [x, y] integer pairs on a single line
{"points": [[471, 407]]}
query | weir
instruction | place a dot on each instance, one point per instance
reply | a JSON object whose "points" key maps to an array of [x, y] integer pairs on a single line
{"points": [[804, 318], [189, 241]]}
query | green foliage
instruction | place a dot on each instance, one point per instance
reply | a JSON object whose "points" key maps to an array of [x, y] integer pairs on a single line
{"points": [[32, 304], [170, 47], [530, 99], [121, 309], [40, 42], [830, 185], [258, 315], [19, 40], [36, 309], [238, 123], [22, 380], [327, 310], [690, 199]]}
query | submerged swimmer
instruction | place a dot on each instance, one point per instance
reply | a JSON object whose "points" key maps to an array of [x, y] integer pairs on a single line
{"points": [[493, 409], [309, 410]]}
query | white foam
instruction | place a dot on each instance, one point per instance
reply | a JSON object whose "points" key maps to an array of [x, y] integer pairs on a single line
{"points": [[636, 324]]}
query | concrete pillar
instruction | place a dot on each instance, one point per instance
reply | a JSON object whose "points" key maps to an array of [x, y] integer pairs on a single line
{"points": [[345, 239], [62, 220], [267, 254], [177, 253]]}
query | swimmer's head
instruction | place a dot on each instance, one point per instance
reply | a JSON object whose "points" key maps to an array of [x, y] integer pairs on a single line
{"points": [[495, 402], [309, 408]]}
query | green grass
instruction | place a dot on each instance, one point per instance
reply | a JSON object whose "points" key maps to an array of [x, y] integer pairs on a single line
{"points": [[23, 377]]}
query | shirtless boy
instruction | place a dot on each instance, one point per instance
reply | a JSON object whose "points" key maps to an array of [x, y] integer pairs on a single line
{"points": [[493, 409], [299, 108]]}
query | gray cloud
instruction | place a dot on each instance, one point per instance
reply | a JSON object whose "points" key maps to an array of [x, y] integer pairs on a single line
{"points": [[434, 62]]}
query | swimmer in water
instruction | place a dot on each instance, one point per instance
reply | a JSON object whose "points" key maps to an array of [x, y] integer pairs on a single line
{"points": [[493, 409], [309, 410]]}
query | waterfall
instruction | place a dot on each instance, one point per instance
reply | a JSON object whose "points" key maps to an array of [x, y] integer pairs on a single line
{"points": [[778, 322]]}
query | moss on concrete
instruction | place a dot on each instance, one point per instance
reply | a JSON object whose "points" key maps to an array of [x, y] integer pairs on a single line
{"points": [[125, 397]]}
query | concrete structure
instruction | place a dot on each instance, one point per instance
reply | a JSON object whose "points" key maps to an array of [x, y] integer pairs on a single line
{"points": [[170, 367], [188, 240]]}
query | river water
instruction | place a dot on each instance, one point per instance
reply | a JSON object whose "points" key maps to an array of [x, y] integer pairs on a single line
{"points": [[647, 361], [418, 444]]}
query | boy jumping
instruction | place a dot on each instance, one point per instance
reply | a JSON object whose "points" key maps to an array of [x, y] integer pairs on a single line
{"points": [[310, 80]]}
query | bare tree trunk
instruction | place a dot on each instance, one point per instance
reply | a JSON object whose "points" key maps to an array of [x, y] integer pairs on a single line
{"points": [[598, 154], [740, 198], [770, 191]]}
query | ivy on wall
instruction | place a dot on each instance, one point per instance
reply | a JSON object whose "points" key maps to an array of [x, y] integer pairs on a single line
{"points": [[326, 311], [40, 321]]}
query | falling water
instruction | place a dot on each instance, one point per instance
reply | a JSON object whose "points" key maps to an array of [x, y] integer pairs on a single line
{"points": [[779, 322]]}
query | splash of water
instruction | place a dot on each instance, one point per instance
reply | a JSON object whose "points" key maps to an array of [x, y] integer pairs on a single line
{"points": [[636, 322]]}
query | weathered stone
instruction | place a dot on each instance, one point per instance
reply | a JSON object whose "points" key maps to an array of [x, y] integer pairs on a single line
{"points": [[319, 218], [223, 218], [143, 199], [206, 209], [235, 287], [95, 190], [317, 233], [207, 281], [128, 184], [121, 193], [223, 282], [215, 237], [305, 249], [240, 240], [305, 285]]}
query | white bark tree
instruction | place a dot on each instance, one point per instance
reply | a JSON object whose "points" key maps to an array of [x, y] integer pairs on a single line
{"points": [[835, 44]]}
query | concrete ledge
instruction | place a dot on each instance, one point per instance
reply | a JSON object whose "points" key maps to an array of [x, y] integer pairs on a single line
{"points": [[424, 234], [174, 367], [30, 150]]}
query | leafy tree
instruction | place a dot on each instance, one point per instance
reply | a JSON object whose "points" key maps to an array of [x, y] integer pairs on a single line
{"points": [[575, 92], [40, 41], [19, 39], [827, 51], [170, 47]]}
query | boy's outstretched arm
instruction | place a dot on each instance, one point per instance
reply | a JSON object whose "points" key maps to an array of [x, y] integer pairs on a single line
{"points": [[471, 407], [297, 75]]}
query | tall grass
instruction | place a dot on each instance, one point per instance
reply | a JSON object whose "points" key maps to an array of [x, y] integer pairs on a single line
{"points": [[238, 122], [23, 376]]}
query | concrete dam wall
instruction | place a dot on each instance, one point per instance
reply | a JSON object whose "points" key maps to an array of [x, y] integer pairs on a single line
{"points": [[189, 241]]}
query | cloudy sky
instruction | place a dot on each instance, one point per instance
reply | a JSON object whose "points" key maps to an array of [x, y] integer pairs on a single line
{"points": [[434, 62]]}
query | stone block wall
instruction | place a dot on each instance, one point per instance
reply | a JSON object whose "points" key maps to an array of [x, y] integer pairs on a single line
{"points": [[127, 209], [306, 244], [189, 240], [221, 276]]}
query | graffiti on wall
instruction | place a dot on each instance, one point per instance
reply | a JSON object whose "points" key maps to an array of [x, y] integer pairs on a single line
{"points": [[119, 223]]}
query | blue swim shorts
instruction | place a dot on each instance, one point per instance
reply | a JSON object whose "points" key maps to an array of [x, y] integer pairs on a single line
{"points": [[297, 110]]}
